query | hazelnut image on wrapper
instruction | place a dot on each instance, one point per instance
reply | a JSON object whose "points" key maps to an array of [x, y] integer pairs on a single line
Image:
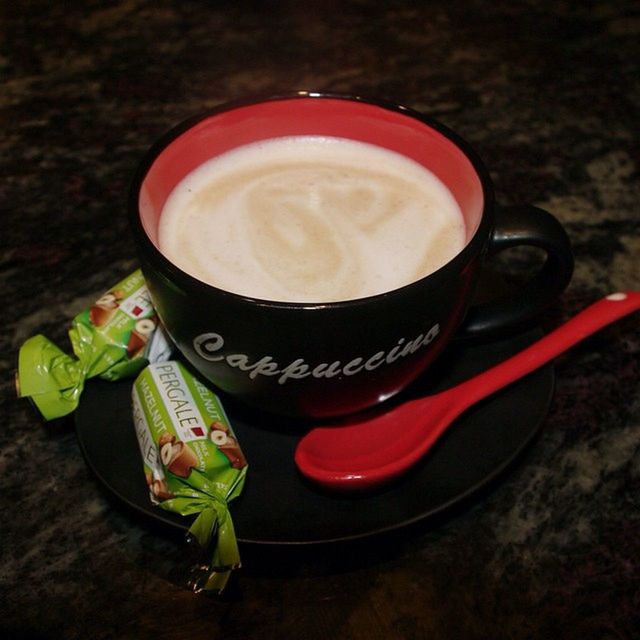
{"points": [[142, 332], [227, 445], [103, 309], [160, 490], [164, 438], [176, 456], [158, 487]]}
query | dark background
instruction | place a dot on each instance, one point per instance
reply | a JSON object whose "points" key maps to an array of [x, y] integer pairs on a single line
{"points": [[547, 93]]}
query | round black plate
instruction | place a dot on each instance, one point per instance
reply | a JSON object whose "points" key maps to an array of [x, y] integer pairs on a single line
{"points": [[279, 507]]}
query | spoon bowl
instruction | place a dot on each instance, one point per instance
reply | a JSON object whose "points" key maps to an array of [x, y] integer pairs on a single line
{"points": [[367, 450]]}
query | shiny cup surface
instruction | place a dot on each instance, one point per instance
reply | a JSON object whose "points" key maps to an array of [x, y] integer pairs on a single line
{"points": [[329, 359]]}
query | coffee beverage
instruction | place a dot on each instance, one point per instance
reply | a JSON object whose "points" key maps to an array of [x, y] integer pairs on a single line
{"points": [[310, 219], [309, 204]]}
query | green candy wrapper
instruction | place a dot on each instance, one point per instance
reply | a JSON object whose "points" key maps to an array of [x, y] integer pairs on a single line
{"points": [[115, 338], [192, 461]]}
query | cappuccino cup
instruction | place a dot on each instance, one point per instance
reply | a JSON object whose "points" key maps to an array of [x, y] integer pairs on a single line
{"points": [[312, 254]]}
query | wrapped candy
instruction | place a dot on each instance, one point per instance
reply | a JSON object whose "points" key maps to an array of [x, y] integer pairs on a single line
{"points": [[115, 338], [192, 461]]}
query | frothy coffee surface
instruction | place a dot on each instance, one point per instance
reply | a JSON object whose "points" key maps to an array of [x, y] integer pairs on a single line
{"points": [[310, 219]]}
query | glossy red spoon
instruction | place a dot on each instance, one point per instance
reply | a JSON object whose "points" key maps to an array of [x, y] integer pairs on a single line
{"points": [[370, 449]]}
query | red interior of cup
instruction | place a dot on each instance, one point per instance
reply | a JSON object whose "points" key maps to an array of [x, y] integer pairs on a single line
{"points": [[352, 119]]}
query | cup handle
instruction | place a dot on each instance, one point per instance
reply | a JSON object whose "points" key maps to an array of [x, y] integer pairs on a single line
{"points": [[516, 226]]}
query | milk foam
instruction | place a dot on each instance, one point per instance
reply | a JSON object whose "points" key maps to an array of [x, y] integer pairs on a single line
{"points": [[310, 219]]}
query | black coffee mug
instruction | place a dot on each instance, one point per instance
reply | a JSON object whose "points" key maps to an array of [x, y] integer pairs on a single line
{"points": [[329, 359]]}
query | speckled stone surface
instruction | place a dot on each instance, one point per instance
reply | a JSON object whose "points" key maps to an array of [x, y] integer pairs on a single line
{"points": [[548, 94]]}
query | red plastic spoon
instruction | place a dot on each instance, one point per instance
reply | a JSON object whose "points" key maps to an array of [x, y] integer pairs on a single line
{"points": [[371, 449]]}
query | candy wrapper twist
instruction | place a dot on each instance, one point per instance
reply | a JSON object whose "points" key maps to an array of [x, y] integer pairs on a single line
{"points": [[114, 339], [192, 461]]}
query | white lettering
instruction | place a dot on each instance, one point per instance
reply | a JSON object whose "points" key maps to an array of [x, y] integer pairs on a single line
{"points": [[265, 366], [209, 345], [239, 360], [395, 353], [412, 346], [327, 370], [431, 335], [297, 369], [353, 367], [374, 361]]}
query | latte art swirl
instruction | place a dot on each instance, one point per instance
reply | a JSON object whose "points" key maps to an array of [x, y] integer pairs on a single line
{"points": [[309, 219]]}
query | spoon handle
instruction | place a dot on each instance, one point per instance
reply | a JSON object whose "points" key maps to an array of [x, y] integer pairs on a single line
{"points": [[585, 323]]}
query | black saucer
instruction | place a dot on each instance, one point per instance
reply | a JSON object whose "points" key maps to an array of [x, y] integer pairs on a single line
{"points": [[278, 507]]}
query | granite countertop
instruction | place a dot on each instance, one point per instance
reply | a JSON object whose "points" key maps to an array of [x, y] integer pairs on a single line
{"points": [[547, 93]]}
